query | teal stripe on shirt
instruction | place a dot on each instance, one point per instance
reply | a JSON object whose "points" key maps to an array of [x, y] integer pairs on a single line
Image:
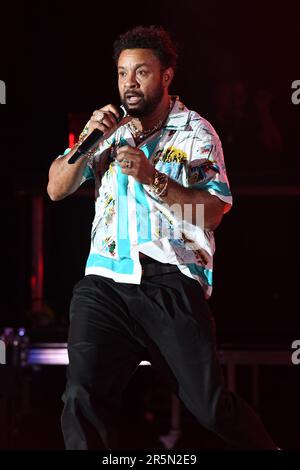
{"points": [[149, 147], [205, 274], [142, 205], [218, 186], [123, 242], [142, 214], [123, 266]]}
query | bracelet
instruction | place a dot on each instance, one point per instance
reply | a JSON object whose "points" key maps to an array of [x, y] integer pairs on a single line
{"points": [[160, 184], [89, 153]]}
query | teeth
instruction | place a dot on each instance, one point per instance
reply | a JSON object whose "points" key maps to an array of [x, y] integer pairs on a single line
{"points": [[133, 99]]}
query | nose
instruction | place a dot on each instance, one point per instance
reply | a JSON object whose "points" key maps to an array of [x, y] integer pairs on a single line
{"points": [[131, 81]]}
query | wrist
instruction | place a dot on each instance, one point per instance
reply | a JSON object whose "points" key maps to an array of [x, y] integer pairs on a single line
{"points": [[151, 177]]}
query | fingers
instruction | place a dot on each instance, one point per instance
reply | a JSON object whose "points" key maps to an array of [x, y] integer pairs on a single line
{"points": [[94, 124], [127, 152], [126, 163], [104, 119], [128, 159], [134, 162], [111, 109], [108, 115]]}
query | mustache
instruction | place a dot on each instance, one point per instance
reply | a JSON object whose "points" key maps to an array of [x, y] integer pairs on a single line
{"points": [[133, 93]]}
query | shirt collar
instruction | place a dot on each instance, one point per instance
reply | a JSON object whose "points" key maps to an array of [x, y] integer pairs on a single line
{"points": [[178, 117]]}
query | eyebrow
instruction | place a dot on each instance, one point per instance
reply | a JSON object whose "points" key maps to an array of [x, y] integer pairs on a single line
{"points": [[136, 66]]}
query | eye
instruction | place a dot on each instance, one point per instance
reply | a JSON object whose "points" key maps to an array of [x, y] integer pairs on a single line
{"points": [[122, 74], [143, 73]]}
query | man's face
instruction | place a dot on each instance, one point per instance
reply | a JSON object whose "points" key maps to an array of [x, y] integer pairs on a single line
{"points": [[140, 81]]}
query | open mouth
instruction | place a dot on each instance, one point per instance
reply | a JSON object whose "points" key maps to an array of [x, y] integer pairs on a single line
{"points": [[133, 99]]}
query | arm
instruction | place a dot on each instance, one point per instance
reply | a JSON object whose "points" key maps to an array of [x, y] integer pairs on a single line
{"points": [[143, 171], [213, 206], [65, 179]]}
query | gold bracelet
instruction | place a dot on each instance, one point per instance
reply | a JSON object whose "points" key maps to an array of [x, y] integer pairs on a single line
{"points": [[89, 154], [160, 184]]}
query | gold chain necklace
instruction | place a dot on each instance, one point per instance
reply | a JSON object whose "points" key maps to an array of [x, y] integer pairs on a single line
{"points": [[142, 134]]}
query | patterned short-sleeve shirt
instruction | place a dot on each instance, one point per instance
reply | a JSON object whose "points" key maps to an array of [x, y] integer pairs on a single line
{"points": [[130, 218]]}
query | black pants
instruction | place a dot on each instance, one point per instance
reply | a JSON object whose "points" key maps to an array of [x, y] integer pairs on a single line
{"points": [[112, 327]]}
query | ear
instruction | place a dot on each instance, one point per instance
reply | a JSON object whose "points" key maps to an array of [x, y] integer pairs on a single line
{"points": [[168, 75]]}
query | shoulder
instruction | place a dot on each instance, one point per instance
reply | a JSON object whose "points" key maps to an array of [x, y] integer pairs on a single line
{"points": [[184, 119], [202, 126]]}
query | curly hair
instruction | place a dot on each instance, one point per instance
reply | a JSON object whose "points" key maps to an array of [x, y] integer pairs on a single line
{"points": [[151, 37]]}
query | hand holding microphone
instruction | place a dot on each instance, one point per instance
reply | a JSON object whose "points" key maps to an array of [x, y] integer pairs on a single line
{"points": [[103, 123], [105, 118]]}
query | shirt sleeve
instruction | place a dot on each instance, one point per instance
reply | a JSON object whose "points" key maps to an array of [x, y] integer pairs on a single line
{"points": [[206, 168]]}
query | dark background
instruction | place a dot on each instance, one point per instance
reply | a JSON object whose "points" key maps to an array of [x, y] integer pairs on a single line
{"points": [[56, 59]]}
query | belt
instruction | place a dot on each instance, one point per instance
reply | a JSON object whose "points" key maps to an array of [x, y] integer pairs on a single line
{"points": [[155, 269]]}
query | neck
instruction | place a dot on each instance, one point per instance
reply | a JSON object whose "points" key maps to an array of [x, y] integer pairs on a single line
{"points": [[158, 114]]}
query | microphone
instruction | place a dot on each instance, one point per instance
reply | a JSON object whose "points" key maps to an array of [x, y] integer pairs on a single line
{"points": [[93, 139]]}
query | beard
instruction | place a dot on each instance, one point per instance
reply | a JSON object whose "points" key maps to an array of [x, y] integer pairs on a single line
{"points": [[146, 105]]}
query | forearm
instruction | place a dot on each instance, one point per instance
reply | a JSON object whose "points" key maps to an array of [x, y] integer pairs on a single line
{"points": [[64, 179], [190, 200]]}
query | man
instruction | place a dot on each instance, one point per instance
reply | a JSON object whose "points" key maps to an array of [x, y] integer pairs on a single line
{"points": [[149, 271]]}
